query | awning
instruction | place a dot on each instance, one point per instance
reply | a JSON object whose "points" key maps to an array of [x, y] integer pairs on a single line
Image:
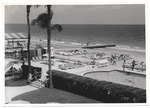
{"points": [[12, 50], [15, 36]]}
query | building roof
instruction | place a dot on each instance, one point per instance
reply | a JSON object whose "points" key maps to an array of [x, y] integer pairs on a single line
{"points": [[14, 36]]}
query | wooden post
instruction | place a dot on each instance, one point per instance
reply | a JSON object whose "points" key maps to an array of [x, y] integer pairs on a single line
{"points": [[13, 43]]}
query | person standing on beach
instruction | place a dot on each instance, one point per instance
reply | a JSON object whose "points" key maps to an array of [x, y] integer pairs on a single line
{"points": [[112, 60], [133, 65], [84, 52], [142, 66], [115, 60], [93, 63], [87, 44], [124, 63]]}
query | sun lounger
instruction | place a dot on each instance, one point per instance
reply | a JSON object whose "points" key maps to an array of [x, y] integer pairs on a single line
{"points": [[40, 57], [33, 59], [137, 67], [70, 66], [62, 67], [128, 65], [37, 58]]}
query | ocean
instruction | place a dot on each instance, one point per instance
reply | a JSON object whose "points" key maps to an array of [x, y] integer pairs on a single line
{"points": [[124, 36]]}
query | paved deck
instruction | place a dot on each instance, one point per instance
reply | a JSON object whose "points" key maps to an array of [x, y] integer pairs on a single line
{"points": [[81, 71], [78, 71]]}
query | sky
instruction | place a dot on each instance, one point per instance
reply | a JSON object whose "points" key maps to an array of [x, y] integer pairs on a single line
{"points": [[81, 14]]}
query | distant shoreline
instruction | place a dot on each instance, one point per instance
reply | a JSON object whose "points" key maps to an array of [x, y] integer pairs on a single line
{"points": [[139, 55], [84, 24], [117, 47]]}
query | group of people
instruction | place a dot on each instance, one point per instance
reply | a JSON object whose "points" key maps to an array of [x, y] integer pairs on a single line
{"points": [[113, 59], [134, 64], [119, 57]]}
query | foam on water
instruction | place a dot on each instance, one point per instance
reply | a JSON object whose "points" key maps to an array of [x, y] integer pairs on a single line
{"points": [[128, 48], [119, 47]]}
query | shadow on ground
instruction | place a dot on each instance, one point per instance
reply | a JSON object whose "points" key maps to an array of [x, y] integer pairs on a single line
{"points": [[46, 95], [16, 82]]}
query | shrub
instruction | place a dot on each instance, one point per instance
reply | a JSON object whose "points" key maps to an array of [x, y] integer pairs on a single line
{"points": [[99, 90]]}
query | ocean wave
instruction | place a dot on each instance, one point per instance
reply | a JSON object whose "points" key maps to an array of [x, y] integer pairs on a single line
{"points": [[119, 47], [62, 42], [128, 48], [76, 43]]}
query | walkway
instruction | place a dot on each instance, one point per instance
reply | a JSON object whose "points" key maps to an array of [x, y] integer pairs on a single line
{"points": [[11, 92], [82, 70]]}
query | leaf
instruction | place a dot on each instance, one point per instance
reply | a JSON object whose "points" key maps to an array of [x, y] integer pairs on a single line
{"points": [[57, 26], [28, 8], [33, 22], [42, 20], [36, 6]]}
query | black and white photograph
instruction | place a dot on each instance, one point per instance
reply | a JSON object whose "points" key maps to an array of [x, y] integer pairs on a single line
{"points": [[75, 54]]}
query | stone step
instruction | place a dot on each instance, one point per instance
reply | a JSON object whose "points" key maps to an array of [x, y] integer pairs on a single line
{"points": [[37, 84]]}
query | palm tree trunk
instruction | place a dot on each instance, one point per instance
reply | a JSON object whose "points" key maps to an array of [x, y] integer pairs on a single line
{"points": [[28, 46], [49, 46]]}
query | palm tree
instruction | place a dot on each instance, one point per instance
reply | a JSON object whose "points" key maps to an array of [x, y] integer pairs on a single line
{"points": [[44, 21], [29, 37]]}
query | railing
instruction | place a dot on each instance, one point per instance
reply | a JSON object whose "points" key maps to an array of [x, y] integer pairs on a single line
{"points": [[8, 65]]}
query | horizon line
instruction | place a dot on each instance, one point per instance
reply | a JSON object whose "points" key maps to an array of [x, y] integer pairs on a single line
{"points": [[83, 24]]}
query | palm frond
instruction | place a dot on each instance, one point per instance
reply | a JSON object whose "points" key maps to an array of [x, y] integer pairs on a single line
{"points": [[42, 20], [57, 26], [33, 22], [43, 16], [36, 6], [28, 8]]}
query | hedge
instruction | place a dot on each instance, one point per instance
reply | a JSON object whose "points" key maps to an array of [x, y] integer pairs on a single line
{"points": [[99, 90]]}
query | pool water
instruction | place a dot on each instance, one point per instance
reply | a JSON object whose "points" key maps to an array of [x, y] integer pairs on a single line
{"points": [[120, 77]]}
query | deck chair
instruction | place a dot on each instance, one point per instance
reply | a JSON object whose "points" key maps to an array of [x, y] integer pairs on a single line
{"points": [[33, 59], [40, 57], [37, 58]]}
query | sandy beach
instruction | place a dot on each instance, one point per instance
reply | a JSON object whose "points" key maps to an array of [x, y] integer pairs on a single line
{"points": [[138, 55]]}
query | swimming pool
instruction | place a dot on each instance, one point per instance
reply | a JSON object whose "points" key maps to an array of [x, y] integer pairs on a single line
{"points": [[120, 77]]}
